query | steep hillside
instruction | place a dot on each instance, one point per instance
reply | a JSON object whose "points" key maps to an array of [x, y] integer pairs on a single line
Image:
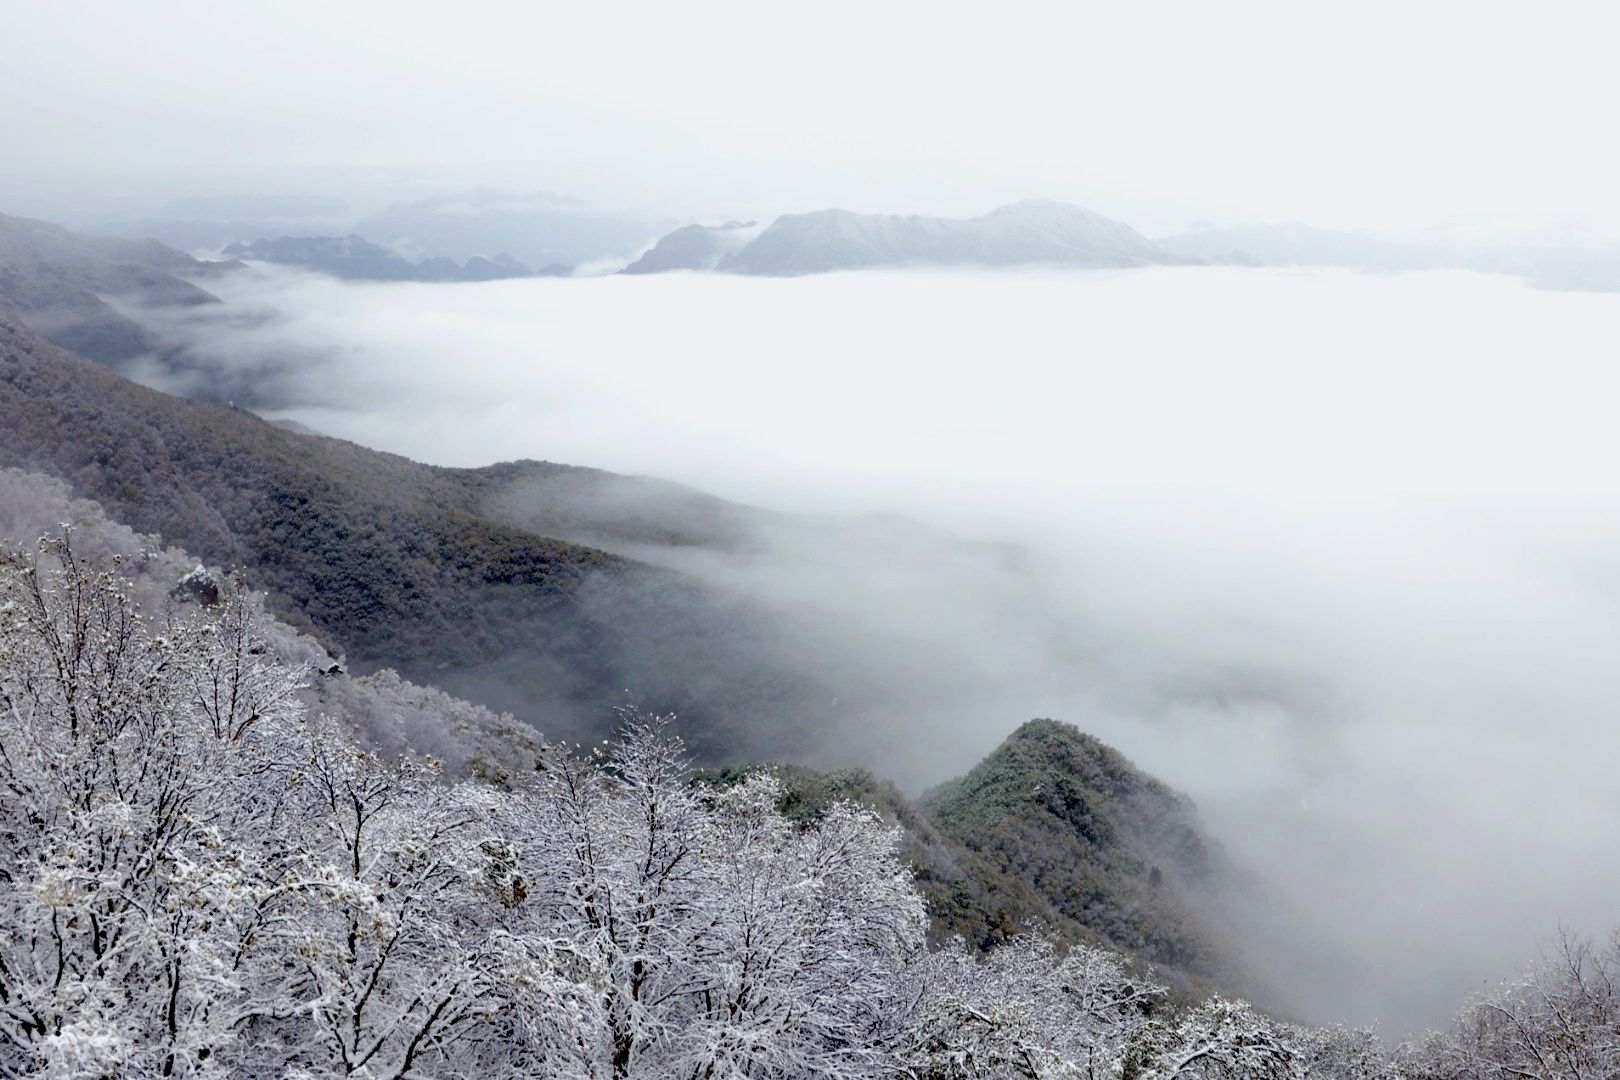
{"points": [[56, 281], [399, 564], [694, 247], [1027, 233], [1114, 852], [388, 713]]}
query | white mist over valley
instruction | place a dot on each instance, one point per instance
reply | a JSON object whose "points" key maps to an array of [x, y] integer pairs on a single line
{"points": [[1010, 388], [720, 541], [1313, 546]]}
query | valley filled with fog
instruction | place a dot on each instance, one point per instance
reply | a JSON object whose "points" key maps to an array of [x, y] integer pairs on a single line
{"points": [[1335, 553]]}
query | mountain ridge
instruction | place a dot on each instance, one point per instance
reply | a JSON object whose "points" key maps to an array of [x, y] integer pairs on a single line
{"points": [[1033, 232], [354, 258], [447, 575], [57, 280]]}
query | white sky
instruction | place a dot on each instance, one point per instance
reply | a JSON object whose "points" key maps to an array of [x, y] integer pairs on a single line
{"points": [[1385, 115]]}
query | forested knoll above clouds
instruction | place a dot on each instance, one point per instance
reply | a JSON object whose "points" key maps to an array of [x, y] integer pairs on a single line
{"points": [[1055, 828]]}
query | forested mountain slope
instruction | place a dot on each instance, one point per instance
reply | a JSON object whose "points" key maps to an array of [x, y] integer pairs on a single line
{"points": [[600, 916], [358, 259], [1111, 849], [394, 562], [496, 583], [388, 714], [56, 281]]}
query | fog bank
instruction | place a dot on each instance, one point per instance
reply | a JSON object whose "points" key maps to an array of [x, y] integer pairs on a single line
{"points": [[1337, 554]]}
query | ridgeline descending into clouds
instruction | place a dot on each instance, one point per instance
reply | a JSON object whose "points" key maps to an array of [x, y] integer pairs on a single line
{"points": [[695, 247], [400, 564], [59, 281]]}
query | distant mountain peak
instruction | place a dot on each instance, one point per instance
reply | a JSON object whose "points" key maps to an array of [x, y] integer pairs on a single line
{"points": [[694, 247], [1030, 232], [356, 258]]}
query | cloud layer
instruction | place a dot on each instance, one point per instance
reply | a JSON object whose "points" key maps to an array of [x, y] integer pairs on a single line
{"points": [[1335, 553]]}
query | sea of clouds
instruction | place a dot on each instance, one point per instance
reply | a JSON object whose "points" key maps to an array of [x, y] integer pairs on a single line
{"points": [[1338, 554]]}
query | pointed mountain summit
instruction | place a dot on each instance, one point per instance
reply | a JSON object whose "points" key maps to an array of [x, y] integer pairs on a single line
{"points": [[1113, 851]]}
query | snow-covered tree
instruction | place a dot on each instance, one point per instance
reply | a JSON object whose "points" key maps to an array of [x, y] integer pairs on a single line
{"points": [[131, 816], [805, 936], [1220, 1038], [1023, 1010], [1559, 1021], [721, 939]]}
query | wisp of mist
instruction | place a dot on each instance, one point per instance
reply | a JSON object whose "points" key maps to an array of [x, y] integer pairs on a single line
{"points": [[1337, 554]]}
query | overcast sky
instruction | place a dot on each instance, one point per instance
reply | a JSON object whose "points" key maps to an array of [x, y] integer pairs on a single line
{"points": [[1386, 115]]}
